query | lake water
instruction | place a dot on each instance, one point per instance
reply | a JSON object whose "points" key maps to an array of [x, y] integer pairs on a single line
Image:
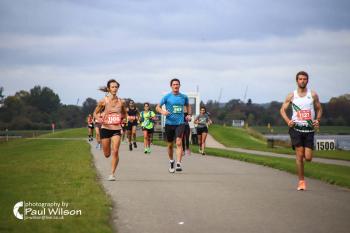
{"points": [[342, 141]]}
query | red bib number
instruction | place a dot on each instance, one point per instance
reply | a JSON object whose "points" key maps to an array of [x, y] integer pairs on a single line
{"points": [[132, 118], [304, 115], [112, 119]]}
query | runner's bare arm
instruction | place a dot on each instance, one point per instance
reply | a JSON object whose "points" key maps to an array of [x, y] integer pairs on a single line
{"points": [[196, 120], [100, 106], [124, 109], [161, 111], [189, 111], [138, 115], [318, 108], [210, 121], [283, 110]]}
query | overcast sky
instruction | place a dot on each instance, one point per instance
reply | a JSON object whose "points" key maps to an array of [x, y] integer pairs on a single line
{"points": [[75, 46]]}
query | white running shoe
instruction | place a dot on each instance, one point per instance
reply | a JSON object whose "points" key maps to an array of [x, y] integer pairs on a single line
{"points": [[178, 167], [171, 168], [111, 178]]}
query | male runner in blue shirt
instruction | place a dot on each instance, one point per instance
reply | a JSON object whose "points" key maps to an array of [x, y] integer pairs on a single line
{"points": [[174, 102]]}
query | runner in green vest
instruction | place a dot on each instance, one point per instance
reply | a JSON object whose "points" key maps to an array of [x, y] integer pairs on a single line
{"points": [[307, 113], [147, 123]]}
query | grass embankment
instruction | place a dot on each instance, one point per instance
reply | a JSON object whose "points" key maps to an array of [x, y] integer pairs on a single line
{"points": [[238, 137], [52, 171], [333, 174]]}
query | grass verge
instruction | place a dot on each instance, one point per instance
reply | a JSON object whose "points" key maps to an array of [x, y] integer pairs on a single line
{"points": [[52, 171], [238, 137]]}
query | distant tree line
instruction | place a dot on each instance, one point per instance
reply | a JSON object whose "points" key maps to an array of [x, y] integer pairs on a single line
{"points": [[39, 107], [335, 112]]}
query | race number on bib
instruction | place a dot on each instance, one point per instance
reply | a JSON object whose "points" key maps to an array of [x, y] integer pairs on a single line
{"points": [[202, 120], [177, 109], [112, 119], [131, 118], [304, 115]]}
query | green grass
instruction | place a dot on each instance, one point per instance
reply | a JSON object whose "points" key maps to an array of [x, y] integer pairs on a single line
{"points": [[323, 129], [238, 137], [48, 171], [333, 174]]}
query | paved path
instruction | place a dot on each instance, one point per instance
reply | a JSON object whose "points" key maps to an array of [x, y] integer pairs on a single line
{"points": [[211, 142], [216, 195]]}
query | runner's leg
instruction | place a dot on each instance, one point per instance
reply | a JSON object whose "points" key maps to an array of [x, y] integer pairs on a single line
{"points": [[115, 152], [300, 152], [106, 146], [204, 138]]}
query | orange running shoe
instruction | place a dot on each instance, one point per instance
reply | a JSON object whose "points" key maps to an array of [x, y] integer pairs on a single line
{"points": [[301, 185]]}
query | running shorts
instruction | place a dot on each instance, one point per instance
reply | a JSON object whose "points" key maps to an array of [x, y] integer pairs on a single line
{"points": [[174, 131], [201, 130], [108, 133], [301, 139]]}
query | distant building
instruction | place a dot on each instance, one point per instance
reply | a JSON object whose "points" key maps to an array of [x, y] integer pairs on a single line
{"points": [[238, 123]]}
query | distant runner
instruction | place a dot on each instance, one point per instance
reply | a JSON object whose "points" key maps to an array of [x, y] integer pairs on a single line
{"points": [[174, 102], [133, 118], [147, 118], [302, 125], [186, 138], [202, 121], [90, 124], [114, 111], [98, 118]]}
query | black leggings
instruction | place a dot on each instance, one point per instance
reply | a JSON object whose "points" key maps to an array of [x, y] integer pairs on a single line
{"points": [[186, 138]]}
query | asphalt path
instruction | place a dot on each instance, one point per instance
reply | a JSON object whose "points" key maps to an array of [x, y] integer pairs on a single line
{"points": [[216, 195]]}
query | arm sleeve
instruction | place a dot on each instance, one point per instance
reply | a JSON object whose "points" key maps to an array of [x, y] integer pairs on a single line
{"points": [[163, 101]]}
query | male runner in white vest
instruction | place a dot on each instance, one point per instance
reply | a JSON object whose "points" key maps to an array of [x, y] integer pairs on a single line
{"points": [[303, 123]]}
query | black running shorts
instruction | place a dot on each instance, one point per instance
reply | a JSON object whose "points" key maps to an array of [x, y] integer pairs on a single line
{"points": [[150, 131], [131, 124], [201, 130], [108, 133], [301, 139], [174, 131]]}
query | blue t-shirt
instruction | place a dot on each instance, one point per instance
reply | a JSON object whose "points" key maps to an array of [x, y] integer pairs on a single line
{"points": [[175, 105]]}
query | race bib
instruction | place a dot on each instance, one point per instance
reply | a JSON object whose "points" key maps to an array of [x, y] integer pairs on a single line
{"points": [[112, 119], [177, 109], [131, 118], [202, 120], [304, 115]]}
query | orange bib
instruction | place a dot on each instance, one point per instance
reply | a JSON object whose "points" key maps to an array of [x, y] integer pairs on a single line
{"points": [[112, 119]]}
